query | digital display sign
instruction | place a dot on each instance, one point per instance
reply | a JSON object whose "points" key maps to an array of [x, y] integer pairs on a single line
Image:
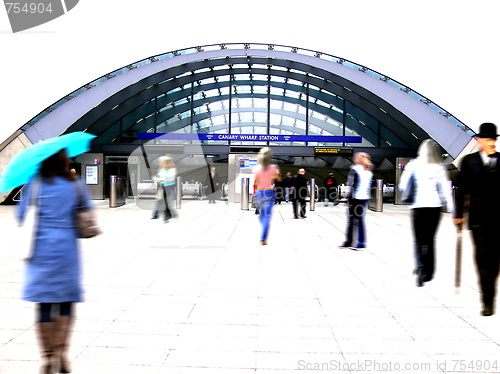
{"points": [[332, 151], [247, 164]]}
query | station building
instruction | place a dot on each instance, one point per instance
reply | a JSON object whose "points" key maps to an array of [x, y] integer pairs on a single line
{"points": [[217, 105]]}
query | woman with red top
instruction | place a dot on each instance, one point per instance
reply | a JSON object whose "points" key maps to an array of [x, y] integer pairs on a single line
{"points": [[265, 175]]}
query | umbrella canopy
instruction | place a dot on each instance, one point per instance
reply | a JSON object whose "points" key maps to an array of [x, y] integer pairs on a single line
{"points": [[26, 164]]}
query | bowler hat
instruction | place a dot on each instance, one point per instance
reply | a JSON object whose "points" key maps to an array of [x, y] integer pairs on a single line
{"points": [[487, 130]]}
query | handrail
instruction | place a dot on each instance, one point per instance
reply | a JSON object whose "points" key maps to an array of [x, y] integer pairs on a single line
{"points": [[247, 46]]}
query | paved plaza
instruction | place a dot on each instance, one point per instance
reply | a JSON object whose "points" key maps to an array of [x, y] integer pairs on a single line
{"points": [[202, 296]]}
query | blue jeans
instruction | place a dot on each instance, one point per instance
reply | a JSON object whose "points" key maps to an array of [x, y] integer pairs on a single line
{"points": [[264, 199], [357, 209], [167, 204]]}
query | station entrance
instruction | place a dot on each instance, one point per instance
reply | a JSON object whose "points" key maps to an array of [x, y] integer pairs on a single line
{"points": [[231, 164]]}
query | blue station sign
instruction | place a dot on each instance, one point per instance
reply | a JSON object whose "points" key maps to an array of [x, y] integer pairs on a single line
{"points": [[252, 137]]}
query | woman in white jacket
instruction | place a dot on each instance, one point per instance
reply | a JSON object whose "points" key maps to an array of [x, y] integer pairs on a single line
{"points": [[360, 181], [432, 193]]}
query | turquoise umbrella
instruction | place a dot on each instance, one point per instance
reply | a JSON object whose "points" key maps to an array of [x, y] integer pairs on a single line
{"points": [[26, 164]]}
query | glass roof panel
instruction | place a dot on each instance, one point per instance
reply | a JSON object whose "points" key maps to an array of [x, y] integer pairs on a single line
{"points": [[244, 89], [212, 93], [245, 102], [277, 79], [292, 94], [260, 103], [277, 91], [260, 89], [275, 104]]}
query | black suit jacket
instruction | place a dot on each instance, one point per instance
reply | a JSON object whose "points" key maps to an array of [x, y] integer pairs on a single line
{"points": [[478, 191], [300, 187], [212, 183]]}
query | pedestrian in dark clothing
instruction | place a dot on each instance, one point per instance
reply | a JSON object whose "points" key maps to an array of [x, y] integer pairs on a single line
{"points": [[299, 194], [279, 190], [331, 189], [478, 184], [212, 185], [288, 183]]}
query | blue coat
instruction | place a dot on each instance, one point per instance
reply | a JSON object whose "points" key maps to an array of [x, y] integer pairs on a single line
{"points": [[53, 273]]}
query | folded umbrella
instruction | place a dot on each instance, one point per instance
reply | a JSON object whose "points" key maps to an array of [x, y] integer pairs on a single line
{"points": [[26, 164], [458, 259]]}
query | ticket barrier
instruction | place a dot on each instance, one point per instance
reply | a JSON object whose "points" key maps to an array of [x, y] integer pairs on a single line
{"points": [[147, 190], [194, 190]]}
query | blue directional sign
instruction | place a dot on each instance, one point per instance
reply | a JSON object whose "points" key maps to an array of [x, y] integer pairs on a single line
{"points": [[252, 137]]}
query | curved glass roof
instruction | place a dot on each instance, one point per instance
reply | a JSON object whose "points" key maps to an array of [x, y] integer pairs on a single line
{"points": [[249, 95]]}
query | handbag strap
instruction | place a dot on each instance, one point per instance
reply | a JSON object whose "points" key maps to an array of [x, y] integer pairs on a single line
{"points": [[79, 196], [36, 202]]}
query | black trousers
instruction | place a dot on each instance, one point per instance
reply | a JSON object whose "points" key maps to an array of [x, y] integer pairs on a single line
{"points": [[487, 257], [332, 194], [299, 204], [425, 224]]}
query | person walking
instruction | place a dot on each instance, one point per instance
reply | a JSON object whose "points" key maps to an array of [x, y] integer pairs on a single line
{"points": [[299, 194], [359, 180], [478, 183], [288, 183], [432, 194], [53, 276], [166, 176], [331, 190], [265, 175], [279, 190], [212, 185]]}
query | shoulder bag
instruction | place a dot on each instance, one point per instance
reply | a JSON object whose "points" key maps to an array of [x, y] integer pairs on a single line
{"points": [[85, 219]]}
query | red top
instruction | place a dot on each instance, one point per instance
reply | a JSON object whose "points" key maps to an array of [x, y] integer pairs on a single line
{"points": [[265, 177]]}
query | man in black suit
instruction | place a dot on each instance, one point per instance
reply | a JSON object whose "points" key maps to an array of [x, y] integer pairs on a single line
{"points": [[212, 185], [478, 192], [299, 194]]}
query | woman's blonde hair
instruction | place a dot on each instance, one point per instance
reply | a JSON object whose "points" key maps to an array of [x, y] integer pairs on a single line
{"points": [[429, 152], [166, 162], [363, 159], [264, 157]]}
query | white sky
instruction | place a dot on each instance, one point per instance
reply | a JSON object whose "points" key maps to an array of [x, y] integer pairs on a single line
{"points": [[446, 50]]}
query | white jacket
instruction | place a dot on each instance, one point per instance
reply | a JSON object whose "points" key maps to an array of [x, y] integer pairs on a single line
{"points": [[433, 189], [360, 181]]}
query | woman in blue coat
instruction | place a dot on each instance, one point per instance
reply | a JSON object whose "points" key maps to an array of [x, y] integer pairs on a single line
{"points": [[53, 271]]}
